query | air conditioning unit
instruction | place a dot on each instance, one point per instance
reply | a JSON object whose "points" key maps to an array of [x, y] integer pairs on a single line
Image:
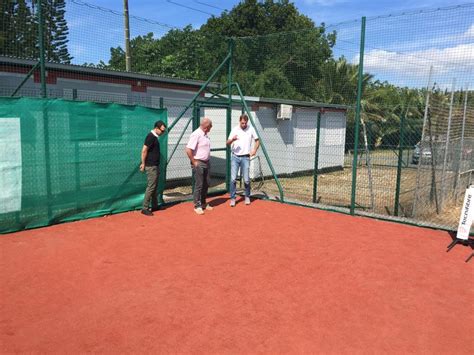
{"points": [[284, 112]]}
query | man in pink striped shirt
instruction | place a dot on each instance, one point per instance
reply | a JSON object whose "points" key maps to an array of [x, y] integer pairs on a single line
{"points": [[198, 151]]}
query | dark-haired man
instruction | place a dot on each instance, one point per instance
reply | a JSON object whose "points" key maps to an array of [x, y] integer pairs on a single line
{"points": [[241, 139], [150, 164]]}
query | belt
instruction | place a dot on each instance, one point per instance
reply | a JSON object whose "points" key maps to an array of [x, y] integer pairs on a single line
{"points": [[243, 156]]}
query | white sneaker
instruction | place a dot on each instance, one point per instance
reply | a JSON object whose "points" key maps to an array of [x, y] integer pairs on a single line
{"points": [[247, 200], [199, 210], [232, 202], [209, 207]]}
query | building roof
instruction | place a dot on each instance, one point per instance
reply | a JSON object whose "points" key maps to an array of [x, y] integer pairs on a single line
{"points": [[103, 72], [276, 101]]}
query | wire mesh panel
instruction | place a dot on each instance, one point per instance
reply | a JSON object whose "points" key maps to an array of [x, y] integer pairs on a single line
{"points": [[67, 160], [217, 135], [179, 176], [307, 70], [84, 55], [416, 113]]}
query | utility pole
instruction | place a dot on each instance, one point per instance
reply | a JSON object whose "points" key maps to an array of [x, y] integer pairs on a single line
{"points": [[127, 36]]}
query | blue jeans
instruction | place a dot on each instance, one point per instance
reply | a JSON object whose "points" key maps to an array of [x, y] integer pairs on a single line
{"points": [[244, 164]]}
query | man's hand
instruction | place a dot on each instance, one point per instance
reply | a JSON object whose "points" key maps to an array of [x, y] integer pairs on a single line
{"points": [[253, 152], [232, 140], [142, 167], [195, 163]]}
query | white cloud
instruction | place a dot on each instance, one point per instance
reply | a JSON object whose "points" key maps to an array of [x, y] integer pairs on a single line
{"points": [[453, 62], [470, 32], [324, 2], [434, 41]]}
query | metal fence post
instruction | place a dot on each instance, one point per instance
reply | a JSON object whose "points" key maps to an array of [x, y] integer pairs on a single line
{"points": [[196, 120], [422, 139], [41, 48], [316, 158], [461, 145], [357, 115], [445, 159], [229, 115], [401, 144]]}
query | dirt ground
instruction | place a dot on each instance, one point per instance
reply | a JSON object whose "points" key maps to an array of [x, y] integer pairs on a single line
{"points": [[182, 283], [334, 189]]}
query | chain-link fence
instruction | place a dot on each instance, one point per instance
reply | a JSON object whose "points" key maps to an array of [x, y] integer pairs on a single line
{"points": [[371, 116], [414, 152]]}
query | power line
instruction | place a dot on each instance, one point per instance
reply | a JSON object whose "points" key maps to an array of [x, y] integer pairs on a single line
{"points": [[189, 7], [104, 9], [209, 5]]}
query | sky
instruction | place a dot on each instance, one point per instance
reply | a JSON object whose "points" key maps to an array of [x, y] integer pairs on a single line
{"points": [[400, 49]]}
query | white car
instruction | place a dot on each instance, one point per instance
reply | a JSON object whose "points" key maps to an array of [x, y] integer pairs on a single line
{"points": [[416, 154]]}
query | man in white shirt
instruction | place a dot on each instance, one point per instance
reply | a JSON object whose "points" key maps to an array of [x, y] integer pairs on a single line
{"points": [[240, 139]]}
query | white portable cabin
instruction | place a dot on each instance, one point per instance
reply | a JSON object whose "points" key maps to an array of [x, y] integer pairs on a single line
{"points": [[290, 141]]}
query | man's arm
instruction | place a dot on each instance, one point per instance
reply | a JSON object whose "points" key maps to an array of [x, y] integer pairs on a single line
{"points": [[189, 153], [255, 147], [144, 154], [232, 138]]}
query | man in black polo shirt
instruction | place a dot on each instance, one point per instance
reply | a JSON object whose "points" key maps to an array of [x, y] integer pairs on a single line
{"points": [[151, 165]]}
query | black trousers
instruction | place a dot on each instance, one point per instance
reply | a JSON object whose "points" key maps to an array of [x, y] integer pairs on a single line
{"points": [[202, 180]]}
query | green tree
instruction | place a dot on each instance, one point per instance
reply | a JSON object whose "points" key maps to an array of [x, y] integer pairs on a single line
{"points": [[177, 54], [18, 31], [56, 31], [274, 39], [290, 61]]}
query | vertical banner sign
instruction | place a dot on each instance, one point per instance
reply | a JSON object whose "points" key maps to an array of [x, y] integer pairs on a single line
{"points": [[467, 215], [10, 165]]}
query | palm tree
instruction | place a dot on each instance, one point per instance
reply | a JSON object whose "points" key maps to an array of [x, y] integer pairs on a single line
{"points": [[338, 84]]}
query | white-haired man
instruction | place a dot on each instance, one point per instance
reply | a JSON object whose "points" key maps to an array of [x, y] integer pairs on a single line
{"points": [[198, 151]]}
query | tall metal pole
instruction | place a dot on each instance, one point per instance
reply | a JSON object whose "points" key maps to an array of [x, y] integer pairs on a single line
{"points": [[229, 113], [461, 146], [316, 158], [369, 165], [401, 144], [128, 65], [196, 120], [425, 118], [41, 48], [357, 116], [448, 133]]}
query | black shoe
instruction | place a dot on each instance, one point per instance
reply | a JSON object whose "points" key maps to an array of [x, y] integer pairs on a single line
{"points": [[147, 213]]}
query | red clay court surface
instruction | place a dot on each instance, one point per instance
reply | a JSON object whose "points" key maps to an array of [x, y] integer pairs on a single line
{"points": [[265, 278]]}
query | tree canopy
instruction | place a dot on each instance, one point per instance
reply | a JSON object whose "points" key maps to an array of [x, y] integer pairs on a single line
{"points": [[276, 65], [19, 30]]}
